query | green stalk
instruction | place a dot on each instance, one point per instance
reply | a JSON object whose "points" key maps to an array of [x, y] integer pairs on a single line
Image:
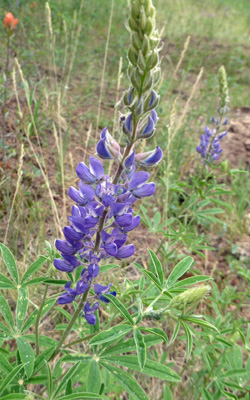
{"points": [[38, 319], [5, 100], [70, 325]]}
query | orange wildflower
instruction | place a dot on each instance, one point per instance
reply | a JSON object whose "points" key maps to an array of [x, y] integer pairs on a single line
{"points": [[10, 21]]}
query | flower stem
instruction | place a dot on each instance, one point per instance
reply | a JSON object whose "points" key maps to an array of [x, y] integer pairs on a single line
{"points": [[38, 319], [70, 325], [5, 100]]}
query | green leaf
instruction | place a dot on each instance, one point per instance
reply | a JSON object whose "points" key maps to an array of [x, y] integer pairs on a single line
{"points": [[6, 283], [157, 266], [43, 340], [6, 313], [189, 339], [234, 372], [80, 396], [18, 396], [150, 275], [127, 382], [179, 270], [201, 322], [140, 348], [105, 268], [70, 373], [10, 377], [155, 331], [35, 281], [4, 328], [31, 319], [5, 366], [111, 334], [49, 380], [76, 358], [34, 267], [151, 368], [21, 308], [153, 278], [167, 393], [175, 333], [69, 387], [229, 395], [129, 345], [206, 395], [192, 281], [94, 378], [57, 282], [44, 356], [10, 263], [27, 355], [120, 307]]}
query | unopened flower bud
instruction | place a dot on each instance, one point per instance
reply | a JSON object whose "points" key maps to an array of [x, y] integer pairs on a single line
{"points": [[223, 88], [190, 298]]}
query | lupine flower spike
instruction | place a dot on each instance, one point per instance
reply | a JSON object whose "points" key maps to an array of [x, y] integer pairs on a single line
{"points": [[103, 213], [210, 145]]}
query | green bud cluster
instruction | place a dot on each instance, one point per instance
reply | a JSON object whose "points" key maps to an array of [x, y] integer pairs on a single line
{"points": [[154, 314], [223, 88], [143, 71], [190, 298]]}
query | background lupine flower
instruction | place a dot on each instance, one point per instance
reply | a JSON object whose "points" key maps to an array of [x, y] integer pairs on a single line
{"points": [[210, 145], [103, 214], [10, 21]]}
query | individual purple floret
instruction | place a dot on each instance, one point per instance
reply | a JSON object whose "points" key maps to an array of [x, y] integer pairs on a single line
{"points": [[89, 313]]}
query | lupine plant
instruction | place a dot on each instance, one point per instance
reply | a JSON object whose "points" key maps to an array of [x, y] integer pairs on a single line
{"points": [[36, 366]]}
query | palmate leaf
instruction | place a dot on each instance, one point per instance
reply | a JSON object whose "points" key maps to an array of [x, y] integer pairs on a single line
{"points": [[126, 381], [140, 348], [5, 366], [6, 283], [18, 396], [151, 368], [199, 321], [27, 355], [43, 340], [70, 373], [129, 345], [49, 380], [175, 333], [21, 308], [111, 334], [157, 266], [34, 267], [94, 378], [120, 307], [155, 331], [206, 395], [10, 263], [150, 275], [31, 319], [6, 313], [179, 270], [81, 396], [189, 339], [192, 281], [9, 378]]}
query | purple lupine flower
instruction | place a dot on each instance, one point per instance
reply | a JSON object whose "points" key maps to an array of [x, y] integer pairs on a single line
{"points": [[150, 158], [100, 290], [67, 264], [89, 313], [107, 148], [71, 294], [93, 174]]}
